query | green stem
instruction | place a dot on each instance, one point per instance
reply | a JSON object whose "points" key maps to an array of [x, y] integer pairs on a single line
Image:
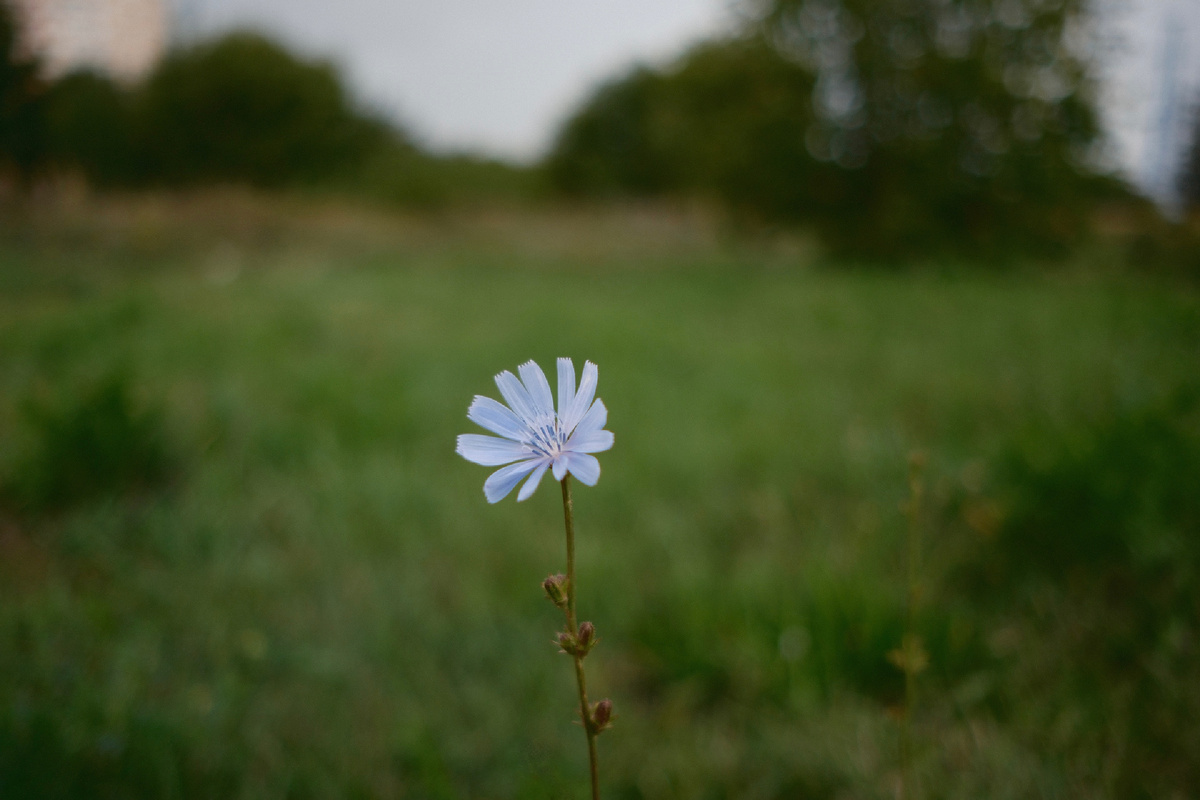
{"points": [[916, 488], [572, 628]]}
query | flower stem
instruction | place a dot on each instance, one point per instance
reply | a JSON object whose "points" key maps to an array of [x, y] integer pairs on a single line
{"points": [[572, 628]]}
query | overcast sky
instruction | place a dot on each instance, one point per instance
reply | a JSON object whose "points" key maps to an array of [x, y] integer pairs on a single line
{"points": [[1152, 85], [498, 76], [491, 75]]}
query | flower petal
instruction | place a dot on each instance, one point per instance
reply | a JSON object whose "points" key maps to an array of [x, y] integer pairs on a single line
{"points": [[583, 398], [502, 481], [496, 417], [517, 396], [584, 467], [489, 450], [534, 479], [538, 387], [566, 385], [560, 467], [590, 442], [593, 420]]}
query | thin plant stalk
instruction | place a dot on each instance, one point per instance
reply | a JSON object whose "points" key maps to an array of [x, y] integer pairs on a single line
{"points": [[913, 658], [573, 628]]}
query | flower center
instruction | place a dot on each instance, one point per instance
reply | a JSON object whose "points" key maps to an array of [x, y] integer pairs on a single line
{"points": [[545, 436]]}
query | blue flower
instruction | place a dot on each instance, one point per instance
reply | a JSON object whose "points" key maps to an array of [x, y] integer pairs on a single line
{"points": [[535, 438]]}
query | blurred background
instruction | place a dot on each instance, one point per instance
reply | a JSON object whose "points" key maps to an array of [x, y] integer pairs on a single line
{"points": [[896, 309]]}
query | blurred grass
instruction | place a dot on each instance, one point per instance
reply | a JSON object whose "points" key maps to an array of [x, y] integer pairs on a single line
{"points": [[319, 603]]}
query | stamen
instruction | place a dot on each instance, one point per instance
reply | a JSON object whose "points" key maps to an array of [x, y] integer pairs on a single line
{"points": [[545, 436]]}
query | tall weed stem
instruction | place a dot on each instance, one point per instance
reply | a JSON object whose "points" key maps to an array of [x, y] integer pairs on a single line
{"points": [[577, 642], [911, 657]]}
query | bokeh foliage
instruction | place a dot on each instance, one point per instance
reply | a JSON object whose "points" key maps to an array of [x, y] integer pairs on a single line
{"points": [[96, 443], [319, 603], [1096, 569], [21, 120], [894, 128], [90, 128]]}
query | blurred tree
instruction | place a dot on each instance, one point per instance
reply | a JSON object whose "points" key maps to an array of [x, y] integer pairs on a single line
{"points": [[712, 123], [893, 126], [609, 147], [1189, 174], [89, 128], [244, 109], [21, 123], [959, 121], [735, 120]]}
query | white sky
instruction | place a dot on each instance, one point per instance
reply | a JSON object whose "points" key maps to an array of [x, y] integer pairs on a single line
{"points": [[498, 76], [1157, 51], [490, 75]]}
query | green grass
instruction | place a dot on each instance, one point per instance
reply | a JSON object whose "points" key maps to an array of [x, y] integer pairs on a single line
{"points": [[317, 602]]}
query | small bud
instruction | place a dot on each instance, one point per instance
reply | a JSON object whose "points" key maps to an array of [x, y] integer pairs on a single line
{"points": [[587, 637], [601, 715], [577, 644], [556, 589], [567, 643]]}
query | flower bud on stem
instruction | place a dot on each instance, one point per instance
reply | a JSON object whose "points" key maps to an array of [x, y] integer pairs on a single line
{"points": [[566, 642], [601, 716], [556, 589], [577, 644], [587, 637]]}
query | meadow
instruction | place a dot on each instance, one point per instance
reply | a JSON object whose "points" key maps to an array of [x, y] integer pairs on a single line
{"points": [[239, 557]]}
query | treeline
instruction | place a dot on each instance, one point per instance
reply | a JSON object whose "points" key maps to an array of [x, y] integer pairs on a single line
{"points": [[238, 109], [892, 126]]}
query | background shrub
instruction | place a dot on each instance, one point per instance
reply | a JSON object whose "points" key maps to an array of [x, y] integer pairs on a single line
{"points": [[99, 443]]}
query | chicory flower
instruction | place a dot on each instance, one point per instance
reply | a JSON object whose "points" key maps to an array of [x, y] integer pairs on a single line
{"points": [[532, 436]]}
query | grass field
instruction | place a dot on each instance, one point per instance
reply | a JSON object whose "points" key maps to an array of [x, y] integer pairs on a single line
{"points": [[240, 558]]}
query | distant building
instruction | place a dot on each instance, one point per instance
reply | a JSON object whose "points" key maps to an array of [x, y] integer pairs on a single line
{"points": [[121, 38]]}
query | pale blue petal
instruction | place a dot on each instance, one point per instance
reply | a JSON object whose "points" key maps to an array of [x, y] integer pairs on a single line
{"points": [[502, 481], [584, 467], [590, 442], [496, 417], [583, 398], [566, 385], [538, 387], [594, 420], [490, 451], [516, 395], [534, 480], [560, 468]]}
